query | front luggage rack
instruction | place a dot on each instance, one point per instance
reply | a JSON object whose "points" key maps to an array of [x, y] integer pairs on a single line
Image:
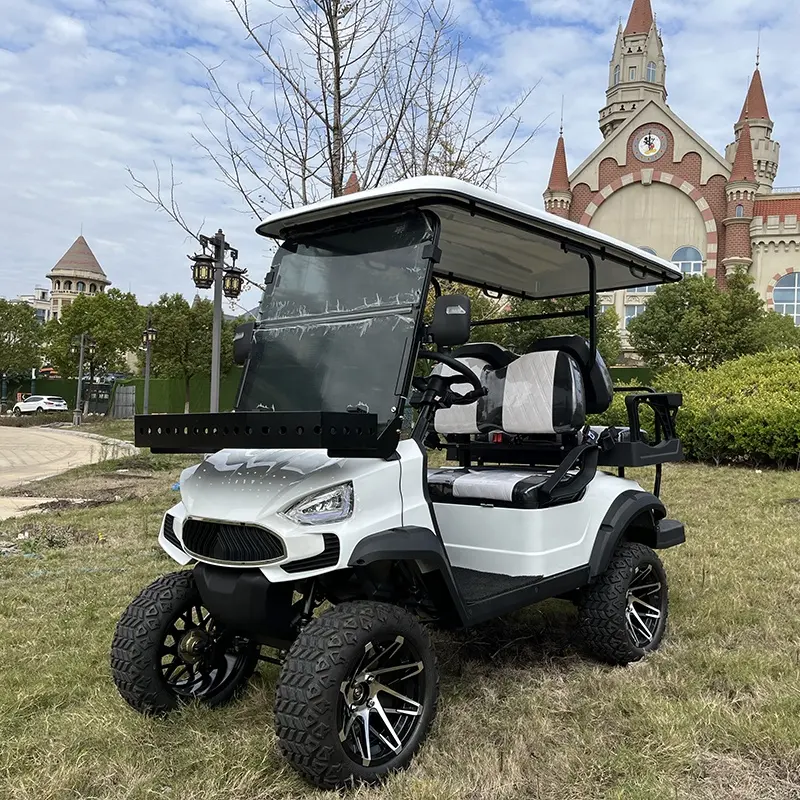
{"points": [[341, 432]]}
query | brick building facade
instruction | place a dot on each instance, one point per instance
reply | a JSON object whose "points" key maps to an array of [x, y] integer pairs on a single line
{"points": [[654, 182]]}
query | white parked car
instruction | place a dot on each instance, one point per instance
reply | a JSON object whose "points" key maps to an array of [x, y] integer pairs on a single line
{"points": [[37, 404]]}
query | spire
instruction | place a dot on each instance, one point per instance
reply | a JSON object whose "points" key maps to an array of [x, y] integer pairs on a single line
{"points": [[641, 18], [743, 165], [755, 104], [352, 186], [79, 257], [559, 176]]}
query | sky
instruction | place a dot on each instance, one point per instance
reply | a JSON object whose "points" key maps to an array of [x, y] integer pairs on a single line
{"points": [[92, 88]]}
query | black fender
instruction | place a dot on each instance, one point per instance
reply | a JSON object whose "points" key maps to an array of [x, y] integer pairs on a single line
{"points": [[636, 517], [421, 546]]}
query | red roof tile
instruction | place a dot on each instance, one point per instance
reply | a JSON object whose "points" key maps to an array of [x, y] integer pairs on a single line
{"points": [[641, 18], [755, 104], [79, 257], [743, 169], [559, 176], [777, 206], [352, 186]]}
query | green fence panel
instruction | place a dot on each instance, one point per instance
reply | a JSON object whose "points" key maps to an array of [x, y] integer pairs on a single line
{"points": [[167, 394]]}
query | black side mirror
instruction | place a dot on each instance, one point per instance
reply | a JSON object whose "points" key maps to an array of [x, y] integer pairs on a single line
{"points": [[243, 342], [451, 320]]}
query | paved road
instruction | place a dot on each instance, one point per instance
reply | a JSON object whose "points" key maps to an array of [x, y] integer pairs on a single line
{"points": [[27, 454]]}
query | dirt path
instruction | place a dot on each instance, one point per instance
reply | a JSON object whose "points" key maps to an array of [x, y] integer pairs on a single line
{"points": [[28, 454]]}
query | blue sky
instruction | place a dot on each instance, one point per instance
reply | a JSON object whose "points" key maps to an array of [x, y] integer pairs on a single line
{"points": [[91, 87]]}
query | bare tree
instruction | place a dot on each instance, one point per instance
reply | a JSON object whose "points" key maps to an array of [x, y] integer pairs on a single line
{"points": [[384, 82]]}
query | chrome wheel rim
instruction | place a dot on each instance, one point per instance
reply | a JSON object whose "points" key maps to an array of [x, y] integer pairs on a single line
{"points": [[644, 609], [196, 658], [382, 702]]}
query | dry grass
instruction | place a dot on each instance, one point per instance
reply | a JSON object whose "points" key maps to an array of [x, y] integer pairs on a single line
{"points": [[714, 715]]}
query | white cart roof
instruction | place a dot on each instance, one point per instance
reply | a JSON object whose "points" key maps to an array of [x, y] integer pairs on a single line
{"points": [[493, 241]]}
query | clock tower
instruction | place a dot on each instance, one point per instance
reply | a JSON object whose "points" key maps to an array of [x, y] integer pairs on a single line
{"points": [[637, 71]]}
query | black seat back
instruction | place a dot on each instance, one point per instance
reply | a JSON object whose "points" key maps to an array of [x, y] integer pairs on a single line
{"points": [[598, 385]]}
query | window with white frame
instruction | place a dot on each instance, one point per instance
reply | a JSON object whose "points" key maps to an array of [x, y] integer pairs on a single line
{"points": [[617, 74], [645, 289], [631, 73], [633, 311], [651, 72], [786, 296], [689, 260]]}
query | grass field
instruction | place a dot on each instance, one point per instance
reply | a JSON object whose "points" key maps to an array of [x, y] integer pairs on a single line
{"points": [[523, 714]]}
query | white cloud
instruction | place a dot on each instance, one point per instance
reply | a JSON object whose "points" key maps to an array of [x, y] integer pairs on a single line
{"points": [[89, 88]]}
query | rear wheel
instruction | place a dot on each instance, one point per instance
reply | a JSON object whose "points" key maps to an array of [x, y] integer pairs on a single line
{"points": [[357, 694], [167, 650], [39, 410], [623, 615]]}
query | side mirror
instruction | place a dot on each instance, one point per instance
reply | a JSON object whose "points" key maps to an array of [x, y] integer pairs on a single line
{"points": [[451, 320], [243, 342]]}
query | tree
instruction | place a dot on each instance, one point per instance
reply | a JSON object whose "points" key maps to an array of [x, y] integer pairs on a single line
{"points": [[520, 336], [20, 339], [385, 81], [113, 319], [182, 348], [696, 324]]}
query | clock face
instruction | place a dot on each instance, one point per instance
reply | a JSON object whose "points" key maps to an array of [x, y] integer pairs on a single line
{"points": [[650, 144]]}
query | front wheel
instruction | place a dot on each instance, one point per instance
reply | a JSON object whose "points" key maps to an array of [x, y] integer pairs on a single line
{"points": [[17, 412], [167, 650], [356, 695], [623, 615]]}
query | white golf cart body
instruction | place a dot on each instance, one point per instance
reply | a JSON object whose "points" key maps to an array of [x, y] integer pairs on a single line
{"points": [[488, 555]]}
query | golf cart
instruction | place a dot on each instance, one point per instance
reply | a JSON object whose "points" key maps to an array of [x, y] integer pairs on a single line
{"points": [[313, 496]]}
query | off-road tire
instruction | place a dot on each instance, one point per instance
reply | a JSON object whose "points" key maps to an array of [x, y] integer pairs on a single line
{"points": [[308, 691], [602, 621], [137, 641]]}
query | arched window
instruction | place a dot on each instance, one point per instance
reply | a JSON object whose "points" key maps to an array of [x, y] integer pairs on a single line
{"points": [[645, 289], [67, 286], [651, 72], [786, 296], [740, 210], [92, 288], [81, 287], [689, 259], [617, 74], [58, 286]]}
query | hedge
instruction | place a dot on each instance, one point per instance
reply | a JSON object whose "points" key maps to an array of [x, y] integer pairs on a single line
{"points": [[745, 411]]}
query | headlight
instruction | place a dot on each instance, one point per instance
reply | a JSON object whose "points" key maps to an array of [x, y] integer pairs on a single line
{"points": [[330, 505]]}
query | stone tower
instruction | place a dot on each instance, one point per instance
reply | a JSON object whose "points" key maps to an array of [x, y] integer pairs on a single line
{"points": [[740, 193], [766, 151], [77, 272], [638, 70]]}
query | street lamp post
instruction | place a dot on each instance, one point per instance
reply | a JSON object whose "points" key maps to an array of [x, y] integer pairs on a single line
{"points": [[81, 346], [208, 271], [148, 337]]}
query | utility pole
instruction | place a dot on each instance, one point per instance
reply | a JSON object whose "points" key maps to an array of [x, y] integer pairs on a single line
{"points": [[78, 413], [148, 337]]}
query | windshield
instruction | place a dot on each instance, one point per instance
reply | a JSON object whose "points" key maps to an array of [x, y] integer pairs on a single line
{"points": [[337, 323]]}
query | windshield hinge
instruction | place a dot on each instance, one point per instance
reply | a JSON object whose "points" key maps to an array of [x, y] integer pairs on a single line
{"points": [[432, 253]]}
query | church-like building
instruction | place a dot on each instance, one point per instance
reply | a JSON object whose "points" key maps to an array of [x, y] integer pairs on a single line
{"points": [[654, 182], [77, 272]]}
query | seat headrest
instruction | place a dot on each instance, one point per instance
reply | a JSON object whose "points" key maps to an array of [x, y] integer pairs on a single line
{"points": [[597, 379]]}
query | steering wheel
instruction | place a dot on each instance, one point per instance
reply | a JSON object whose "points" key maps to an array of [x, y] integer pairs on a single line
{"points": [[465, 375]]}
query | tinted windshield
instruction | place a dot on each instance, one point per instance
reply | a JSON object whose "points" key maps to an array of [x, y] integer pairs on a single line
{"points": [[338, 320]]}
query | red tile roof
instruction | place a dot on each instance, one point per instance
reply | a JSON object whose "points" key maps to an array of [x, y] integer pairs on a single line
{"points": [[777, 206], [641, 18], [755, 104], [79, 257], [559, 176], [743, 169], [352, 186]]}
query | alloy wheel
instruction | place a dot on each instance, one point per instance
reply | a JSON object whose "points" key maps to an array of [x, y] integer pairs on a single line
{"points": [[381, 702], [645, 606]]}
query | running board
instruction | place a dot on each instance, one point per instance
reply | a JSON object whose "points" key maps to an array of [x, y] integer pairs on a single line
{"points": [[486, 595]]}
